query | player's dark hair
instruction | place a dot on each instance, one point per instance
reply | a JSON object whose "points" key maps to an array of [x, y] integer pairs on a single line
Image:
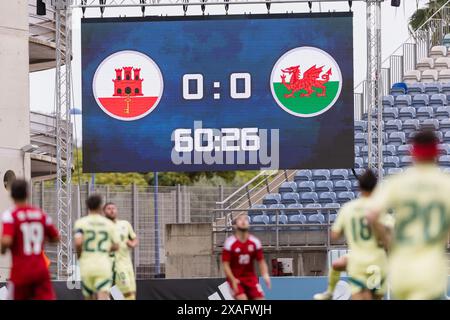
{"points": [[94, 202], [367, 181], [19, 190], [424, 137], [108, 204]]}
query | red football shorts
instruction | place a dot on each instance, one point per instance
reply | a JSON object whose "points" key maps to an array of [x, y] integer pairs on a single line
{"points": [[250, 287], [42, 290]]}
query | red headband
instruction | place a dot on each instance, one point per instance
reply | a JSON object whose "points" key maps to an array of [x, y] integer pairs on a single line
{"points": [[425, 151]]}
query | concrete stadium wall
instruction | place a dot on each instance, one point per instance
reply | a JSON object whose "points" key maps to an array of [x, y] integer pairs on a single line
{"points": [[14, 93], [190, 254]]}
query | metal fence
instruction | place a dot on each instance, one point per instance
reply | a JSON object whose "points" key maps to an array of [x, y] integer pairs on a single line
{"points": [[176, 204]]}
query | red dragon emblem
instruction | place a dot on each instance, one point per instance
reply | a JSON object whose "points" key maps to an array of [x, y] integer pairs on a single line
{"points": [[310, 79]]}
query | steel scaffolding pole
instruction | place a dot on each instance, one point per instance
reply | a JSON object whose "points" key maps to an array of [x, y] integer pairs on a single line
{"points": [[374, 85], [63, 95]]}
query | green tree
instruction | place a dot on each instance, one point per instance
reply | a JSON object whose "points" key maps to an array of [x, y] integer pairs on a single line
{"points": [[421, 16]]}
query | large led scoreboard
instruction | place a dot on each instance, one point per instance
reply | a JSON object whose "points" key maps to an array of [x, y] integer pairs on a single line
{"points": [[217, 93]]}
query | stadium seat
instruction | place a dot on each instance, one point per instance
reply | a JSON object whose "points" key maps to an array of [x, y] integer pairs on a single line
{"points": [[412, 76], [297, 219], [303, 175], [444, 75], [306, 186], [309, 197], [397, 138], [406, 113], [438, 52], [389, 150], [288, 186], [425, 64], [410, 125], [424, 113], [430, 124], [332, 211], [327, 197], [360, 126], [391, 171], [259, 212], [405, 161], [445, 89], [442, 63], [322, 174], [293, 206], [438, 100], [282, 219], [339, 174], [364, 151], [440, 136], [433, 88], [358, 171], [357, 151], [343, 197], [272, 198], [391, 162], [429, 76], [404, 150], [290, 198], [316, 218], [444, 124], [387, 101], [355, 185], [415, 88], [444, 149], [275, 206], [442, 113], [398, 88], [324, 186], [444, 160], [261, 219], [361, 138], [420, 100], [403, 100], [390, 113], [359, 162], [342, 186], [393, 126]]}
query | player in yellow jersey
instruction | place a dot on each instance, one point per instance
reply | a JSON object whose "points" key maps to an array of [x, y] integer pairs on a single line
{"points": [[123, 266], [366, 262], [95, 238], [420, 200]]}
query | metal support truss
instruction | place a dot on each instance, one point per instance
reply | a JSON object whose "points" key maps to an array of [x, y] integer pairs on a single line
{"points": [[63, 95], [374, 85]]}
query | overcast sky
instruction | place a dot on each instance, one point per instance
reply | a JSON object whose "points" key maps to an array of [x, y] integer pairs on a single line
{"points": [[394, 33]]}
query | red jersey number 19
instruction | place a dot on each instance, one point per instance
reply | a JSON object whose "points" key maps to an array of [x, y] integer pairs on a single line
{"points": [[33, 234]]}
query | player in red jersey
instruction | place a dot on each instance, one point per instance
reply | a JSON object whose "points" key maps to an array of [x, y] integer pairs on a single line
{"points": [[239, 254], [25, 229]]}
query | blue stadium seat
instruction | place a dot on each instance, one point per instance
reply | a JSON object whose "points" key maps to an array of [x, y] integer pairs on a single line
{"points": [[355, 185], [388, 101], [272, 198], [391, 162], [359, 172], [404, 150], [430, 124], [390, 113], [297, 219], [392, 171], [420, 100], [339, 174], [303, 175], [306, 186], [275, 206], [316, 218], [294, 206], [407, 113], [444, 161], [410, 125], [290, 198], [398, 88], [405, 161], [442, 113], [438, 100], [416, 88], [327, 197], [342, 186], [288, 186], [433, 88], [361, 138], [364, 151], [324, 186], [424, 113], [282, 219], [259, 212], [444, 124], [333, 212], [403, 100], [360, 126], [389, 150], [308, 197], [393, 126], [344, 197], [261, 219], [321, 174], [359, 162], [440, 136], [445, 88], [444, 149], [356, 151], [397, 138]]}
